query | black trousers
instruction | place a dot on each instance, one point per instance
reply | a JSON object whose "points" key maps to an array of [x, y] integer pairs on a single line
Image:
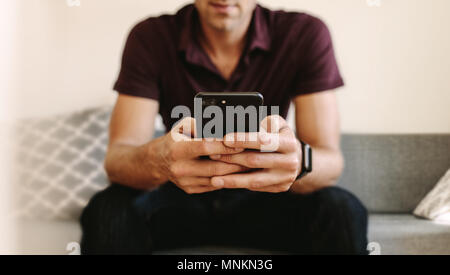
{"points": [[121, 220]]}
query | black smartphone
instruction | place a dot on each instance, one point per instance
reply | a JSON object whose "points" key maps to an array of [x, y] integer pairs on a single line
{"points": [[228, 112]]}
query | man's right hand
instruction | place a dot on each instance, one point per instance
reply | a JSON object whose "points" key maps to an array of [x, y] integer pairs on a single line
{"points": [[181, 163]]}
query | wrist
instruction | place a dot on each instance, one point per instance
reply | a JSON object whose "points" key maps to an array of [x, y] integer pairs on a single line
{"points": [[155, 160]]}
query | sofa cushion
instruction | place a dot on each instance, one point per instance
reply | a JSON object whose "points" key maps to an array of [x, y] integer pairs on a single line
{"points": [[59, 163], [393, 173], [396, 234], [406, 234], [436, 205], [46, 237]]}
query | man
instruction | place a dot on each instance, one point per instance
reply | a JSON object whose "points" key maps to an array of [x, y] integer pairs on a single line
{"points": [[165, 196]]}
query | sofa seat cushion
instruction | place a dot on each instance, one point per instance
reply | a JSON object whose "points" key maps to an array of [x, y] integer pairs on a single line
{"points": [[406, 234], [46, 237], [396, 234]]}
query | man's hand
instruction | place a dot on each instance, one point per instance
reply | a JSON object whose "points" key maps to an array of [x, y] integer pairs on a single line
{"points": [[180, 159], [277, 170]]}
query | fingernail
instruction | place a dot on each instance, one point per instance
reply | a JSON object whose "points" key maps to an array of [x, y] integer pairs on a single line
{"points": [[217, 182], [253, 185], [229, 139], [215, 157], [229, 143], [264, 138]]}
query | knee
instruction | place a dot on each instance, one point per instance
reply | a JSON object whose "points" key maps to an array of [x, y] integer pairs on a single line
{"points": [[346, 218], [106, 219], [338, 200], [106, 204]]}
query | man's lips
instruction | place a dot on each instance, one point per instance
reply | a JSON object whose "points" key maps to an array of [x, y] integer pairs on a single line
{"points": [[221, 7]]}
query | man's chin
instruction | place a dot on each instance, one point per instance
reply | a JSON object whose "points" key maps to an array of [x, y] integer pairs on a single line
{"points": [[223, 24]]}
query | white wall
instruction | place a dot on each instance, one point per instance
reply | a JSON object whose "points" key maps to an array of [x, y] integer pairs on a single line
{"points": [[8, 17], [394, 58]]}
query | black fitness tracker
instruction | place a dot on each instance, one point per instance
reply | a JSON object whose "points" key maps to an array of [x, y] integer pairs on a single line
{"points": [[306, 160]]}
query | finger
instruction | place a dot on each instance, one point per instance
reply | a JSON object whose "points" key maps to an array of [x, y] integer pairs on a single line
{"points": [[190, 149], [273, 124], [186, 127], [261, 160], [205, 168], [286, 139], [280, 188], [195, 181], [247, 140], [250, 180], [208, 147], [199, 189], [270, 142]]}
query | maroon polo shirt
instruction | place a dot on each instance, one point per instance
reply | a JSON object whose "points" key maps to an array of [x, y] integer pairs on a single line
{"points": [[287, 54]]}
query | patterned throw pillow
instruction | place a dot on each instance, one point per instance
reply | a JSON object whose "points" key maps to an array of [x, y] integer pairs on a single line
{"points": [[59, 163], [436, 205]]}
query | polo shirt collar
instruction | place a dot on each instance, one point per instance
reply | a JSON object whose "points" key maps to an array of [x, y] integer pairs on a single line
{"points": [[259, 33]]}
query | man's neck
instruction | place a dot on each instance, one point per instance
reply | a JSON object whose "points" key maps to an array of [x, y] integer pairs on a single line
{"points": [[227, 43]]}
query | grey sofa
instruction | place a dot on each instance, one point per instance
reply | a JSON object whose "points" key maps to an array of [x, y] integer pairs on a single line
{"points": [[389, 173]]}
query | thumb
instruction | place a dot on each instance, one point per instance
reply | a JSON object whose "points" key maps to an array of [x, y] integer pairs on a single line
{"points": [[184, 129]]}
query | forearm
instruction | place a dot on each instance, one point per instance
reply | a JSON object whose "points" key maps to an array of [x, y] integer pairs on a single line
{"points": [[327, 168], [135, 166]]}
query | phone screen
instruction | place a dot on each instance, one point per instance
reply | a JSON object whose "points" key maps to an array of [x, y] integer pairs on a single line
{"points": [[223, 113]]}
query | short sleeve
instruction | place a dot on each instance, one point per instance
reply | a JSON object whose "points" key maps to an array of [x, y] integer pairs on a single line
{"points": [[139, 69], [317, 69]]}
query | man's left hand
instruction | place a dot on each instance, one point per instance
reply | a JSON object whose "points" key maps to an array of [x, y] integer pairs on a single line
{"points": [[276, 170]]}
